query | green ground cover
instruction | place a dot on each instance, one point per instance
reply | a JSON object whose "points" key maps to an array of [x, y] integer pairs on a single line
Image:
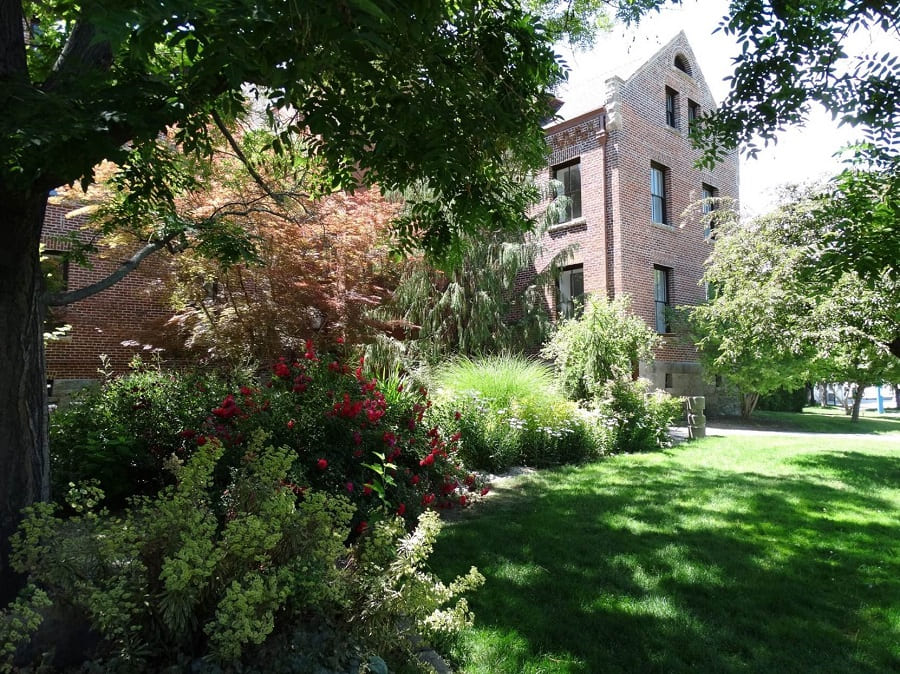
{"points": [[817, 420], [750, 554]]}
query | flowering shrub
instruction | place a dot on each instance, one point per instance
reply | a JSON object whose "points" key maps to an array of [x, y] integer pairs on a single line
{"points": [[121, 434], [628, 417], [351, 434], [203, 578]]}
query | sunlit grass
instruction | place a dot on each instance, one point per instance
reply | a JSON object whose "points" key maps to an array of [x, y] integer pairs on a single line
{"points": [[821, 420], [751, 554]]}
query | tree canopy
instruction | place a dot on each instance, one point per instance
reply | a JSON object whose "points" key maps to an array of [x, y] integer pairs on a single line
{"points": [[777, 318], [447, 95]]}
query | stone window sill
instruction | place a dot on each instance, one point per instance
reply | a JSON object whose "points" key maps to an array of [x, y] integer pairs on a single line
{"points": [[568, 223]]}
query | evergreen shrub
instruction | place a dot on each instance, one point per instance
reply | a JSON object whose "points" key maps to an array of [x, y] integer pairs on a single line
{"points": [[247, 578]]}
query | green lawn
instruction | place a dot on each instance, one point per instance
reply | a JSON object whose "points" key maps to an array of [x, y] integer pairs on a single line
{"points": [[817, 420], [737, 554]]}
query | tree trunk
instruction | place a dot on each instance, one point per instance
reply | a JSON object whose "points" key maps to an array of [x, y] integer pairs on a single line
{"points": [[857, 401], [748, 404], [24, 454], [897, 396]]}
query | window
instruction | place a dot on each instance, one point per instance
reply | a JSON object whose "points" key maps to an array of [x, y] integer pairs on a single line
{"points": [[693, 114], [658, 194], [570, 177], [570, 289], [668, 383], [682, 64], [708, 194], [661, 281], [672, 108]]}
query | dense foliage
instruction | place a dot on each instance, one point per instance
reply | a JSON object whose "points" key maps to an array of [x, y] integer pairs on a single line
{"points": [[351, 434], [121, 434], [383, 90], [779, 320], [628, 416], [490, 299], [252, 577], [510, 412], [604, 343], [784, 400]]}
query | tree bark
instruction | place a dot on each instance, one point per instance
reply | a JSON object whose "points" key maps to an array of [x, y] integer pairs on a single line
{"points": [[748, 404], [24, 453], [857, 401]]}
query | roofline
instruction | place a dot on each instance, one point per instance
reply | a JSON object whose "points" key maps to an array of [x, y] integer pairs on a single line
{"points": [[565, 124]]}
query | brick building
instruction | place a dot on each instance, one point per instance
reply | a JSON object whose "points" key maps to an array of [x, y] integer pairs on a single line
{"points": [[621, 150], [120, 322]]}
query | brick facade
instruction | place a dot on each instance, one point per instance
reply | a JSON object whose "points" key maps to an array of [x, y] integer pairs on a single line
{"points": [[619, 245], [118, 322]]}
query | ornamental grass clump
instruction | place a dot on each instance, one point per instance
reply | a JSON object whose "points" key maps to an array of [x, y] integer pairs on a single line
{"points": [[508, 411]]}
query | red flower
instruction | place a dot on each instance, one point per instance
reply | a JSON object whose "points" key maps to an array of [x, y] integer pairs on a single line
{"points": [[290, 424], [427, 499], [389, 438], [201, 440], [357, 437], [362, 526], [310, 353], [485, 491], [281, 370], [427, 461], [358, 453], [322, 464], [340, 340], [367, 489], [246, 391], [462, 500], [457, 416], [187, 433], [401, 509], [415, 479], [349, 486]]}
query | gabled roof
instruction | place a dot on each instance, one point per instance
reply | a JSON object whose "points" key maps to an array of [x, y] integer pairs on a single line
{"points": [[616, 55]]}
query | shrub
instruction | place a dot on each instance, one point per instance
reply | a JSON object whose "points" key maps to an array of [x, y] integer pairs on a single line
{"points": [[601, 345], [203, 578], [121, 434], [351, 434], [628, 417], [508, 411], [782, 400]]}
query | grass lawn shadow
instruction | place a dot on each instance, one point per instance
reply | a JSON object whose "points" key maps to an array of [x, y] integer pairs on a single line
{"points": [[656, 563]]}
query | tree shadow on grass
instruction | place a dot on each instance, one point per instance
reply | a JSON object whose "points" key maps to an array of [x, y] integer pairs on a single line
{"points": [[642, 568], [855, 468]]}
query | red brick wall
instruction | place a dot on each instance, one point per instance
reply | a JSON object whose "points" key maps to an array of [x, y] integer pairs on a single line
{"points": [[583, 138], [618, 244], [134, 309], [639, 130]]}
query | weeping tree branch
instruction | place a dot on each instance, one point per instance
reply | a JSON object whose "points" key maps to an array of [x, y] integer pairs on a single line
{"points": [[257, 178], [64, 298]]}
